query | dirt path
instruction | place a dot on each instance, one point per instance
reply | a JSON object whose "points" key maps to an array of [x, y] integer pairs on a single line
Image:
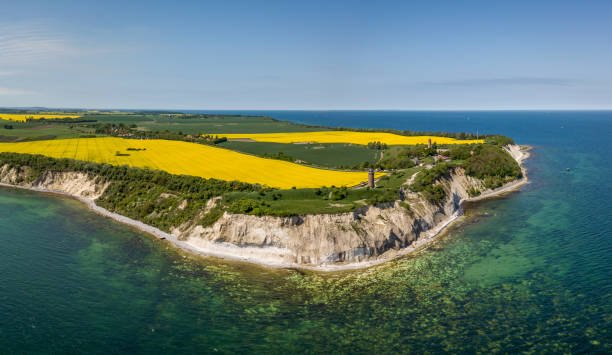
{"points": [[411, 179]]}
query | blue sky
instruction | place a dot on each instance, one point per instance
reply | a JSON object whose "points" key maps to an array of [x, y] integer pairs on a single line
{"points": [[307, 55]]}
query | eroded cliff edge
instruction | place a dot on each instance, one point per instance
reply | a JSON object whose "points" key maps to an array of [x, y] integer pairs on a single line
{"points": [[369, 235]]}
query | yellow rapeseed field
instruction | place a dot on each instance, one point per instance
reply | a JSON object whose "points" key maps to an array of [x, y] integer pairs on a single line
{"points": [[24, 117], [346, 137], [186, 158]]}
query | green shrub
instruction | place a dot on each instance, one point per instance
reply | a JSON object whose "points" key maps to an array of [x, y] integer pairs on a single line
{"points": [[498, 140], [211, 217], [425, 182], [461, 151], [244, 206], [493, 165], [473, 192], [377, 145], [338, 194], [279, 156], [387, 196]]}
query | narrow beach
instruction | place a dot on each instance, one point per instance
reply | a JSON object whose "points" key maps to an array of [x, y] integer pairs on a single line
{"points": [[228, 251]]}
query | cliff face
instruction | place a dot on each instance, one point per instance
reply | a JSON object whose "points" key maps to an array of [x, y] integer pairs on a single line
{"points": [[369, 233], [72, 183]]}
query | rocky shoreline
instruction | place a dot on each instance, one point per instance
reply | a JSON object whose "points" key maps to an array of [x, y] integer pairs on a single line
{"points": [[362, 239]]}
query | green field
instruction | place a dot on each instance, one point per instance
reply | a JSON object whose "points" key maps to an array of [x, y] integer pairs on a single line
{"points": [[22, 131], [173, 122], [194, 124], [328, 154], [126, 118], [201, 123]]}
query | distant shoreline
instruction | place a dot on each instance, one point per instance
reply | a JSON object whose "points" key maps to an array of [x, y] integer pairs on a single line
{"points": [[225, 252]]}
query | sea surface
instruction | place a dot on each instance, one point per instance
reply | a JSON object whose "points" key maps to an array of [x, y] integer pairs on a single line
{"points": [[527, 273]]}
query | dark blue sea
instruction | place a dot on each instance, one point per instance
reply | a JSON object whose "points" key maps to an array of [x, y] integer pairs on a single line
{"points": [[527, 273]]}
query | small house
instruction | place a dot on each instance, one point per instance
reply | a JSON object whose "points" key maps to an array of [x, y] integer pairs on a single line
{"points": [[441, 157]]}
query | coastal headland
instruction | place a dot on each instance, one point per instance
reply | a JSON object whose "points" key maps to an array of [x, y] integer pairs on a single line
{"points": [[414, 191]]}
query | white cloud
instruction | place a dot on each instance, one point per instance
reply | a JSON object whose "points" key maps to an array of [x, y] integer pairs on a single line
{"points": [[30, 43]]}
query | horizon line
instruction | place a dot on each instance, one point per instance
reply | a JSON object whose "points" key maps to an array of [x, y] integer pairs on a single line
{"points": [[306, 109]]}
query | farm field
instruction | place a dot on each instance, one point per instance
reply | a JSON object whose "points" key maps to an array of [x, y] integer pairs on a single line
{"points": [[219, 124], [170, 121], [325, 154], [26, 132], [201, 123], [184, 158], [362, 138], [24, 117]]}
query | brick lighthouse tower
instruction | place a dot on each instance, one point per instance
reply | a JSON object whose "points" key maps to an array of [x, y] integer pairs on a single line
{"points": [[371, 178]]}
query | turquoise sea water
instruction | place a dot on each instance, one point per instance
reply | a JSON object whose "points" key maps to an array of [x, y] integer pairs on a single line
{"points": [[530, 272]]}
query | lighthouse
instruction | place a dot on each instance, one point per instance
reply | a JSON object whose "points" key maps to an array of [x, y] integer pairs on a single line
{"points": [[371, 178]]}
